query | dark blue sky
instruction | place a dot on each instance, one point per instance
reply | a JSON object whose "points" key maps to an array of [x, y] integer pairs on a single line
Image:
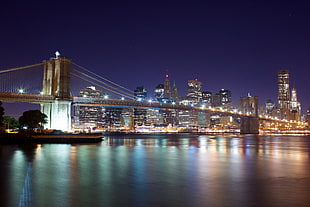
{"points": [[236, 45]]}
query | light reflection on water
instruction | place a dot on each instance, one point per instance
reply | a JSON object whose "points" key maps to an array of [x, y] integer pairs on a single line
{"points": [[159, 170]]}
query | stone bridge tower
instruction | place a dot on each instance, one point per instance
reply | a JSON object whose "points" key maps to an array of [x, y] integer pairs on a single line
{"points": [[249, 124], [56, 82]]}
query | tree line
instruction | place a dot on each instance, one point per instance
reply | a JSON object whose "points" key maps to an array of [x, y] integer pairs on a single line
{"points": [[30, 120]]}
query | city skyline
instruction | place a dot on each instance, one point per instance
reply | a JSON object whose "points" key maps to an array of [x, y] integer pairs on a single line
{"points": [[239, 46]]}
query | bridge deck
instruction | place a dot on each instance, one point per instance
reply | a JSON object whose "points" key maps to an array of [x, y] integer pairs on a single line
{"points": [[23, 97]]}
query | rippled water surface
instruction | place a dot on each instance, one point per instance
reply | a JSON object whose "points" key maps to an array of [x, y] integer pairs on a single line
{"points": [[159, 170]]}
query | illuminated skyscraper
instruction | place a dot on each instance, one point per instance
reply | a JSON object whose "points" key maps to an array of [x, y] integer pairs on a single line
{"points": [[159, 92], [174, 93], [194, 90], [283, 90], [225, 96], [167, 88], [269, 106], [140, 93], [295, 106]]}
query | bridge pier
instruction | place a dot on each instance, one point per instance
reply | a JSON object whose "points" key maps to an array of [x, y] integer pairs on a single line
{"points": [[249, 125], [56, 82], [59, 115]]}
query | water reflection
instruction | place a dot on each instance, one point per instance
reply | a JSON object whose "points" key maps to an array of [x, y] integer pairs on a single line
{"points": [[159, 170]]}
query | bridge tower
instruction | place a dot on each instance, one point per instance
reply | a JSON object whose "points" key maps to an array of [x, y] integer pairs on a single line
{"points": [[249, 124], [56, 82]]}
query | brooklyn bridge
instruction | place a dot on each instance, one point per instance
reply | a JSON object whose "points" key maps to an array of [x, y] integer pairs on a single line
{"points": [[55, 85]]}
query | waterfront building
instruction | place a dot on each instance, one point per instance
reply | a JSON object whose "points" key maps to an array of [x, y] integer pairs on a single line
{"points": [[140, 117], [88, 117], [140, 93], [112, 118]]}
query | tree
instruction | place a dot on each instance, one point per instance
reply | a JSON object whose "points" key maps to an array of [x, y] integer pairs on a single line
{"points": [[10, 122], [33, 119]]}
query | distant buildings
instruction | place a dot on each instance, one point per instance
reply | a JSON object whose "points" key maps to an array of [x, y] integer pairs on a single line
{"points": [[91, 92], [92, 116], [288, 105]]}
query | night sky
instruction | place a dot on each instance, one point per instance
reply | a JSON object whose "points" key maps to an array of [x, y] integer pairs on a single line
{"points": [[236, 45]]}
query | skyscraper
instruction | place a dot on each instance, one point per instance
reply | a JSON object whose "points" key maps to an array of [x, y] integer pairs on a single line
{"points": [[174, 93], [194, 90], [295, 106], [225, 96], [159, 92], [283, 90], [140, 93], [167, 88]]}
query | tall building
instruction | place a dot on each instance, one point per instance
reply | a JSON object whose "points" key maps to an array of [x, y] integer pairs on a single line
{"points": [[159, 92], [194, 90], [174, 93], [225, 96], [167, 88], [140, 93], [207, 98], [283, 90], [295, 106], [269, 106]]}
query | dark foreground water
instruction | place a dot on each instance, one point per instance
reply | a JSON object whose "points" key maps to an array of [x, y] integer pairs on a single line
{"points": [[161, 170]]}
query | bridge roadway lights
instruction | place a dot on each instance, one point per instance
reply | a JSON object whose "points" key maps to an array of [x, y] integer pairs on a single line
{"points": [[249, 125]]}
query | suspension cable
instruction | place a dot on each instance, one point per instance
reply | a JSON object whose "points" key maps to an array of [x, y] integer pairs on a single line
{"points": [[20, 68], [114, 88], [131, 97], [101, 77]]}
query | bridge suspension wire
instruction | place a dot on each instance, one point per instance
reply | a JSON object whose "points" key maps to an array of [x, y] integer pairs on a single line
{"points": [[102, 77], [101, 82], [25, 79], [108, 89], [20, 68]]}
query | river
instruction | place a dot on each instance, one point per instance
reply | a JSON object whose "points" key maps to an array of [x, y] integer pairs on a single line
{"points": [[159, 170]]}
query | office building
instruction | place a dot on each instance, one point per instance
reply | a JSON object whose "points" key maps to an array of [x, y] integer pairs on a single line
{"points": [[140, 93], [167, 88], [194, 90], [283, 90]]}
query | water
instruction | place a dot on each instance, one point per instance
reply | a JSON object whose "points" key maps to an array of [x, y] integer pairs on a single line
{"points": [[159, 170]]}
